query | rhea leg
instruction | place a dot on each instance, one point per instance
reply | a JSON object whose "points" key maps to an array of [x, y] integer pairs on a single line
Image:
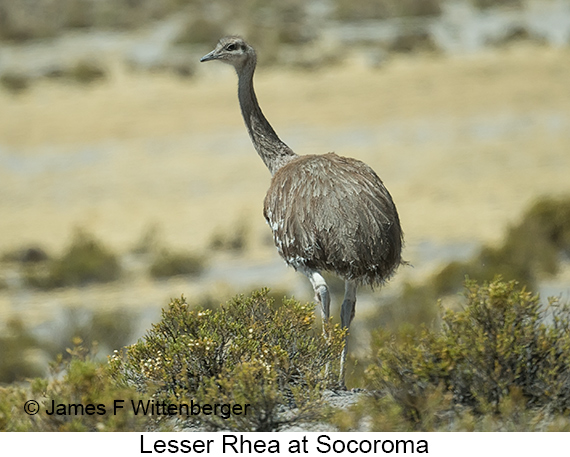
{"points": [[346, 316], [322, 295]]}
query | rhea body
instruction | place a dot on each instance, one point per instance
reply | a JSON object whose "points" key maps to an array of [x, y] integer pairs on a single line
{"points": [[326, 212]]}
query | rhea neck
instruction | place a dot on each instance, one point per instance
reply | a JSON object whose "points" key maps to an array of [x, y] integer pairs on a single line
{"points": [[274, 153]]}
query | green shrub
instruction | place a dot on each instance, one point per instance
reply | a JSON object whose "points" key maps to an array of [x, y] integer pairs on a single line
{"points": [[85, 72], [502, 349], [168, 263], [250, 350], [78, 380], [85, 261], [15, 82], [29, 254], [531, 249]]}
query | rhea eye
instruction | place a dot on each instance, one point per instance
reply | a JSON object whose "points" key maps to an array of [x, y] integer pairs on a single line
{"points": [[231, 47]]}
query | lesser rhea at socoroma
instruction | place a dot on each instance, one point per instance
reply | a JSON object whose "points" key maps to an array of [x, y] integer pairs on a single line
{"points": [[327, 213]]}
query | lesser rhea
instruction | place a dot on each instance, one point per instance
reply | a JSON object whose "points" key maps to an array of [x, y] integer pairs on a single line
{"points": [[327, 213]]}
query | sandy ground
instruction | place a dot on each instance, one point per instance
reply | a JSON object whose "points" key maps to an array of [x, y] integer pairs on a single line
{"points": [[464, 144]]}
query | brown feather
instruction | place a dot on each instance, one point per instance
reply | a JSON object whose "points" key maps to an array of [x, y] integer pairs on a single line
{"points": [[333, 213]]}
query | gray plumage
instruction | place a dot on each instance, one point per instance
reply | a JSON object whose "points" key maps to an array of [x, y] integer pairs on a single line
{"points": [[327, 213]]}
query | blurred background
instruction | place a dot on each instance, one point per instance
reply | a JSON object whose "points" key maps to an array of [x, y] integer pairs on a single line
{"points": [[127, 177]]}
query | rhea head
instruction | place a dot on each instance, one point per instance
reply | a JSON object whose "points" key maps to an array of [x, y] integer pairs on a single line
{"points": [[232, 50]]}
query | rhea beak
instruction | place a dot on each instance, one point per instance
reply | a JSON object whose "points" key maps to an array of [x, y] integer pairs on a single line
{"points": [[209, 56]]}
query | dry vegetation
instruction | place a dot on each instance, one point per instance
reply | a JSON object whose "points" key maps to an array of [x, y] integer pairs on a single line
{"points": [[501, 363]]}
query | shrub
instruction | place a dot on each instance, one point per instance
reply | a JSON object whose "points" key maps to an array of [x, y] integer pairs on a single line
{"points": [[30, 254], [248, 350], [78, 380], [532, 248], [167, 264], [85, 72], [85, 261], [15, 82], [498, 351]]}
